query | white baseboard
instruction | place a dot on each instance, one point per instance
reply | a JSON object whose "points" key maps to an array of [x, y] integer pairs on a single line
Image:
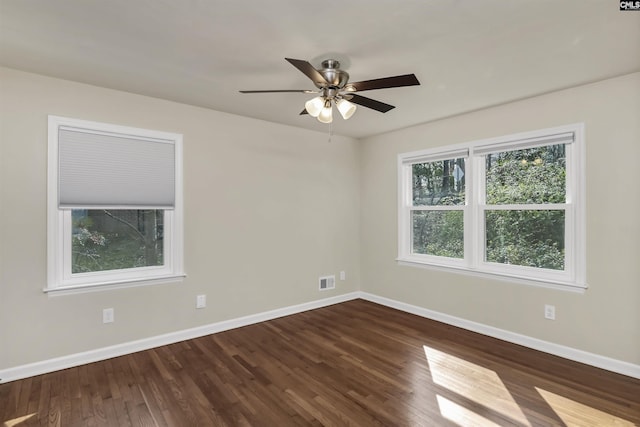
{"points": [[64, 362], [596, 360]]}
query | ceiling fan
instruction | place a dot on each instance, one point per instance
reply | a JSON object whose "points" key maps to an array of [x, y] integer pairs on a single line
{"points": [[334, 88]]}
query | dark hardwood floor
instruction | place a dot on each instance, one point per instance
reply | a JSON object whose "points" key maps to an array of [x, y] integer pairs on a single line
{"points": [[351, 364]]}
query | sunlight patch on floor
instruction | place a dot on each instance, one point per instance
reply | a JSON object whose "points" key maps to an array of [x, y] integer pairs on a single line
{"points": [[16, 421], [460, 415], [474, 382], [573, 413]]}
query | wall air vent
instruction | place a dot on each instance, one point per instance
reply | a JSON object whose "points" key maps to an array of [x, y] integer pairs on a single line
{"points": [[327, 282]]}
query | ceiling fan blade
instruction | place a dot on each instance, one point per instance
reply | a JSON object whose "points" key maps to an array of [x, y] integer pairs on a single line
{"points": [[369, 103], [308, 70], [304, 112], [275, 91], [386, 82]]}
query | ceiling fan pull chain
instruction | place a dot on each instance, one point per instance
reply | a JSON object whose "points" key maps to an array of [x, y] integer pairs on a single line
{"points": [[330, 131]]}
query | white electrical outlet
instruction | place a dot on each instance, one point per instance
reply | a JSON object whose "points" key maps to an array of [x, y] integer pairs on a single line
{"points": [[343, 275], [201, 301], [550, 312], [108, 315]]}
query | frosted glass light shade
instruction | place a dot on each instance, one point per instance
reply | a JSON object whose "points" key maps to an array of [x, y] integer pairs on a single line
{"points": [[326, 115], [314, 106], [346, 108]]}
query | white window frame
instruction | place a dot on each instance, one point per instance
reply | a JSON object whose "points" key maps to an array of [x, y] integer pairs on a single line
{"points": [[573, 277], [406, 238], [60, 279]]}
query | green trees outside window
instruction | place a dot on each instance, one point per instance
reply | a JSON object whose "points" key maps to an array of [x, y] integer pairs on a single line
{"points": [[523, 213], [527, 235], [436, 185], [116, 239]]}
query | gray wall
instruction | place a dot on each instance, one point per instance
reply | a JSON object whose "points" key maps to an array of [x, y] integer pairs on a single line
{"points": [[605, 320], [268, 209]]}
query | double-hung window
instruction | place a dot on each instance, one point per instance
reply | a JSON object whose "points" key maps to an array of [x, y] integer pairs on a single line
{"points": [[435, 205], [114, 205], [511, 207]]}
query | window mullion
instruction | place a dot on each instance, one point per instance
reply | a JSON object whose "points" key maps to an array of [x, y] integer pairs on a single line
{"points": [[478, 198], [437, 208], [524, 207]]}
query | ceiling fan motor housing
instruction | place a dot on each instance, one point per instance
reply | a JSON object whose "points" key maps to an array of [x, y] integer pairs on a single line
{"points": [[335, 77]]}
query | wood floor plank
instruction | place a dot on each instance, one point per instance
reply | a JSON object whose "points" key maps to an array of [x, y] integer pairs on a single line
{"points": [[10, 395], [350, 364]]}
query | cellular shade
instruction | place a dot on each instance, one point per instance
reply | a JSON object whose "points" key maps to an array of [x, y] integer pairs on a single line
{"points": [[102, 170], [434, 157], [561, 138]]}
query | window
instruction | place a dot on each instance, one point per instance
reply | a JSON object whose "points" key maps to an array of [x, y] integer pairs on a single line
{"points": [[510, 206], [438, 204], [114, 205]]}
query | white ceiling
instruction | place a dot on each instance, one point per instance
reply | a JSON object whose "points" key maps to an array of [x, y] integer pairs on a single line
{"points": [[468, 54]]}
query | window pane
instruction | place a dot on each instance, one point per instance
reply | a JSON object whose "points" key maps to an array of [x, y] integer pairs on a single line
{"points": [[533, 175], [438, 233], [439, 183], [533, 238], [116, 239]]}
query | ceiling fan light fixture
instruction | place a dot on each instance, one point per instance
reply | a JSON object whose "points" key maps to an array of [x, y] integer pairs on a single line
{"points": [[326, 115], [314, 106], [346, 108], [333, 87]]}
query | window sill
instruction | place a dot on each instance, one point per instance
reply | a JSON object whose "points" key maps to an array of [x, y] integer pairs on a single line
{"points": [[538, 282], [110, 285]]}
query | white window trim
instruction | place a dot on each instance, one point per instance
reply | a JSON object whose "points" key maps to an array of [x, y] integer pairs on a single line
{"points": [[59, 277], [572, 278]]}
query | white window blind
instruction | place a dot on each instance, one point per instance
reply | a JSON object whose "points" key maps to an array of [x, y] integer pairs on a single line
{"points": [[431, 156], [561, 138], [105, 170]]}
